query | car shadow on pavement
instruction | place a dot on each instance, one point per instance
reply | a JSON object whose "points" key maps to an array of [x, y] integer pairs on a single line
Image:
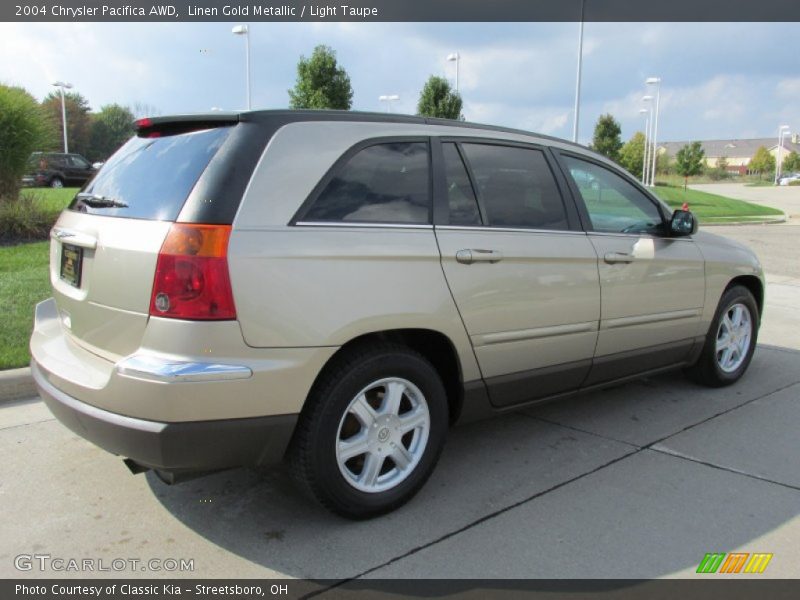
{"points": [[636, 481]]}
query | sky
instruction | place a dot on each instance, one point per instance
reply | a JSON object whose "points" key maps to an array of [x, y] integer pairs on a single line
{"points": [[719, 80]]}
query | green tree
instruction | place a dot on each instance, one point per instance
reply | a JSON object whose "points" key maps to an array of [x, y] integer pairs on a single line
{"points": [[632, 155], [321, 82], [791, 163], [23, 129], [111, 127], [663, 163], [689, 161], [607, 138], [762, 162], [438, 99], [79, 123]]}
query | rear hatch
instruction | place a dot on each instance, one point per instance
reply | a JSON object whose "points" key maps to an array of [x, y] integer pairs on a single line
{"points": [[105, 246]]}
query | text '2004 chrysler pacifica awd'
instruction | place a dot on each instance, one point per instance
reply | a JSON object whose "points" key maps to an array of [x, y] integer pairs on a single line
{"points": [[337, 289]]}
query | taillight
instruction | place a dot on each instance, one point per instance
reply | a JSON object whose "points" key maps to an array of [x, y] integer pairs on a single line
{"points": [[192, 280]]}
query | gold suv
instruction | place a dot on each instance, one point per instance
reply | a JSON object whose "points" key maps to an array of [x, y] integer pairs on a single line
{"points": [[337, 289]]}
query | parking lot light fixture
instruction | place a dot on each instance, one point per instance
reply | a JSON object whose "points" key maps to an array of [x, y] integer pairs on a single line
{"points": [[656, 81], [245, 31], [455, 57], [782, 130], [61, 85], [388, 99], [645, 111]]}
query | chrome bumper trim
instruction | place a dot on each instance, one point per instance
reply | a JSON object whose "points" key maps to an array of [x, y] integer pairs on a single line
{"points": [[163, 370]]}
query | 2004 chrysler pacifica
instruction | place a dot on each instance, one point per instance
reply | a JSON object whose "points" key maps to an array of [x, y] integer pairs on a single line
{"points": [[337, 289]]}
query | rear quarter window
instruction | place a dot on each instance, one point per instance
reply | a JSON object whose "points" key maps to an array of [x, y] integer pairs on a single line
{"points": [[382, 183], [151, 177]]}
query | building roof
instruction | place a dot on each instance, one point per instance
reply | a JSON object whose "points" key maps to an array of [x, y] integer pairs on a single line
{"points": [[733, 148]]}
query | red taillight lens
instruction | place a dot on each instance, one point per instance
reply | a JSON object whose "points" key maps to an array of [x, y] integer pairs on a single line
{"points": [[192, 280]]}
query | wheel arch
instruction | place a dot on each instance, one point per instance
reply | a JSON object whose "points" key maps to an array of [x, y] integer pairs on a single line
{"points": [[754, 285]]}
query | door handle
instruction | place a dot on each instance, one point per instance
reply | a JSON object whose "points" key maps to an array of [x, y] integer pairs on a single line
{"points": [[618, 257], [473, 255]]}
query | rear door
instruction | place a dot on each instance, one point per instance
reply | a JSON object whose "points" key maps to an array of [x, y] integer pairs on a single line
{"points": [[78, 170], [104, 247], [652, 285], [523, 275]]}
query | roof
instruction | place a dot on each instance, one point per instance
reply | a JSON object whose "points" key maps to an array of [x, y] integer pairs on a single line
{"points": [[732, 148]]}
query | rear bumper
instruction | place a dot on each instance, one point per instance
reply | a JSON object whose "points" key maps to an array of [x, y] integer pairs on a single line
{"points": [[172, 447]]}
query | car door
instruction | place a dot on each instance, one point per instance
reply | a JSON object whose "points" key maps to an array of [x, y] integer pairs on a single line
{"points": [[78, 170], [652, 286], [522, 273]]}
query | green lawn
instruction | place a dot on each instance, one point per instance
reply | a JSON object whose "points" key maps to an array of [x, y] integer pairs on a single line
{"points": [[24, 281], [52, 200], [711, 207]]}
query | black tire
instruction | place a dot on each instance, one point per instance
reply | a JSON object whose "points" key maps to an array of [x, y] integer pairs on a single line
{"points": [[56, 182], [707, 370], [312, 453]]}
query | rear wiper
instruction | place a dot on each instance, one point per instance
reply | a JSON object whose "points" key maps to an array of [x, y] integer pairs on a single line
{"points": [[98, 201]]}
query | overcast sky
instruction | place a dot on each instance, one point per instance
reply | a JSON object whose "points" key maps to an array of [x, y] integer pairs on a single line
{"points": [[720, 80]]}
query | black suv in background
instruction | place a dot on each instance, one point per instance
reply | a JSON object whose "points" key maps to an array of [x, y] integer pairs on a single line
{"points": [[57, 170]]}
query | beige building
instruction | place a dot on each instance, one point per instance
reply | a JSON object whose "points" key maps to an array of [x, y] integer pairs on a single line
{"points": [[737, 152]]}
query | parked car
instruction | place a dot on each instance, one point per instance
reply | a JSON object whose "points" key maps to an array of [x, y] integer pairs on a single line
{"points": [[786, 178], [338, 289], [57, 170]]}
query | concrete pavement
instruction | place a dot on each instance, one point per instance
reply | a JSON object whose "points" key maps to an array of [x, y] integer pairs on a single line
{"points": [[637, 481]]}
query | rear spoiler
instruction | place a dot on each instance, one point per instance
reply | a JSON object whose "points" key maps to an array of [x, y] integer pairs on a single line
{"points": [[157, 126]]}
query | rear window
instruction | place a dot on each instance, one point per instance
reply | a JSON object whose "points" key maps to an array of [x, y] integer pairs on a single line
{"points": [[151, 177]]}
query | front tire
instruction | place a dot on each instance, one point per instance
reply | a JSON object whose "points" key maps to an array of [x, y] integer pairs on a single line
{"points": [[731, 340], [372, 431]]}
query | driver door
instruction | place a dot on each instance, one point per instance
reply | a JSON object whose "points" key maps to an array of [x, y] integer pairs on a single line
{"points": [[652, 286]]}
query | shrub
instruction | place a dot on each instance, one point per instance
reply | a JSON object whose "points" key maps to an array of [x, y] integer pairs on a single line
{"points": [[794, 182], [25, 220]]}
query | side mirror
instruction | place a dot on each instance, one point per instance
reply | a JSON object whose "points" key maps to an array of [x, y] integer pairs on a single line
{"points": [[683, 223]]}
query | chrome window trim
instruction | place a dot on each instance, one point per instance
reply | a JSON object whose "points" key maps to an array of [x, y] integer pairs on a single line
{"points": [[507, 229], [363, 224], [685, 238]]}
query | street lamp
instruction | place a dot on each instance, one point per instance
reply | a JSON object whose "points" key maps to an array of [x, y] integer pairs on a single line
{"points": [[389, 99], [455, 57], [782, 130], [62, 86], [649, 138], [577, 110], [656, 81], [645, 111], [245, 31]]}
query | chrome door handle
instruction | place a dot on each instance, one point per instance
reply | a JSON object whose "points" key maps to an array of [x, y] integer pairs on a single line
{"points": [[618, 257], [473, 255]]}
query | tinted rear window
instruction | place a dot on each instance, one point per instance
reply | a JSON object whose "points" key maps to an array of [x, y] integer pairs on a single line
{"points": [[153, 176]]}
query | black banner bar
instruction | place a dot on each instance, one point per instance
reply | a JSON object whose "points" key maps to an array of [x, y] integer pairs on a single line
{"points": [[400, 10]]}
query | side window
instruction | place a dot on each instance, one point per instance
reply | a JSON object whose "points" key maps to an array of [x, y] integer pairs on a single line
{"points": [[460, 195], [614, 204], [384, 183], [516, 187]]}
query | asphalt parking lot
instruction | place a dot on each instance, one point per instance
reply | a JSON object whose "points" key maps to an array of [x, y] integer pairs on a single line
{"points": [[637, 481]]}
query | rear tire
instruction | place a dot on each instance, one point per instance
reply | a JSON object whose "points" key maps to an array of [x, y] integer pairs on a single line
{"points": [[56, 182], [730, 341], [371, 432]]}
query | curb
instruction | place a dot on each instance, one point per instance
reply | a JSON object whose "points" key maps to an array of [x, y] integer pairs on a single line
{"points": [[16, 384], [766, 221]]}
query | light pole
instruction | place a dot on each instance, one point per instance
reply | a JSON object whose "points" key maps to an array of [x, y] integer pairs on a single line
{"points": [[782, 130], [245, 31], [577, 110], [645, 111], [648, 135], [656, 81], [455, 57], [388, 99], [62, 86]]}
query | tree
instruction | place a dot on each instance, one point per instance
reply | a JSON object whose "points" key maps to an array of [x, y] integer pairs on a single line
{"points": [[321, 82], [791, 163], [663, 163], [689, 161], [632, 155], [762, 162], [607, 139], [111, 127], [23, 130], [79, 123], [438, 99]]}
